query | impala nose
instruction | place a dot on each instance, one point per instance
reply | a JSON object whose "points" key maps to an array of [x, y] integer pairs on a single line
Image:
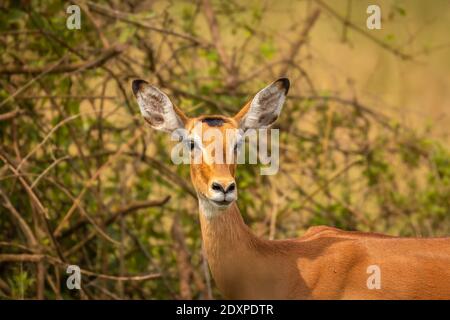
{"points": [[225, 188]]}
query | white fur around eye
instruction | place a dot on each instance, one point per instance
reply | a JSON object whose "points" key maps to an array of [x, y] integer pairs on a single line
{"points": [[196, 141]]}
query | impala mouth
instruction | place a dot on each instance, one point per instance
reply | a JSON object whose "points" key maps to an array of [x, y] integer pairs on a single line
{"points": [[222, 203]]}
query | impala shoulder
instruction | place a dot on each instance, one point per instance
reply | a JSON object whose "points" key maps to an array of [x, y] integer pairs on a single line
{"points": [[316, 231], [326, 260]]}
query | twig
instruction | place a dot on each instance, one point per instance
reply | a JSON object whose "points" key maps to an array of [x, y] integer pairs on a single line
{"points": [[23, 257], [123, 211], [183, 263], [296, 46], [125, 18], [383, 45], [74, 97], [58, 68], [40, 257], [354, 103], [94, 22], [10, 114], [47, 136], [329, 181], [88, 184], [218, 44], [23, 225], [29, 83], [206, 274], [35, 200]]}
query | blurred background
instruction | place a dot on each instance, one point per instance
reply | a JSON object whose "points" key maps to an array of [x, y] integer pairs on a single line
{"points": [[84, 181]]}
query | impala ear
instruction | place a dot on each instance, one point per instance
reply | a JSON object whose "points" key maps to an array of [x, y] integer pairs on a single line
{"points": [[156, 107], [265, 107]]}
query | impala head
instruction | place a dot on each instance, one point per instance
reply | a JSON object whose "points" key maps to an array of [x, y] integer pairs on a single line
{"points": [[213, 180]]}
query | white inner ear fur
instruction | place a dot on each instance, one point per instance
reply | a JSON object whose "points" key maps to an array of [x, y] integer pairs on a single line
{"points": [[157, 109], [265, 108]]}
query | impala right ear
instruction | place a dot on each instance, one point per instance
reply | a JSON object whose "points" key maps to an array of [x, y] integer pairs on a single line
{"points": [[156, 107], [265, 107]]}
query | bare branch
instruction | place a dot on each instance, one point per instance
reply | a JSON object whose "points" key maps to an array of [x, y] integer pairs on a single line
{"points": [[65, 68], [10, 115], [368, 35], [296, 46]]}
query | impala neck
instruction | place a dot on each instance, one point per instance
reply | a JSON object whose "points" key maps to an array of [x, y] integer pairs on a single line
{"points": [[224, 229], [234, 254], [224, 232]]}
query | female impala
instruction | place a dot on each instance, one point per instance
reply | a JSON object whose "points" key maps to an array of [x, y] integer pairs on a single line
{"points": [[326, 263]]}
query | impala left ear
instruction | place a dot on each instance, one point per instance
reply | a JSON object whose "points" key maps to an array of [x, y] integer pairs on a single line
{"points": [[156, 107], [263, 110]]}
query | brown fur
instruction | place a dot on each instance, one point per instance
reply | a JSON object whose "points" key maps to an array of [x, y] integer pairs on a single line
{"points": [[326, 263]]}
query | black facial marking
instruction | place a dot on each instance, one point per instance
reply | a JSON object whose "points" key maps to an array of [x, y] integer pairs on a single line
{"points": [[214, 122]]}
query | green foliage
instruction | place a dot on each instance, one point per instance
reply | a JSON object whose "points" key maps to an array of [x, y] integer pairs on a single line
{"points": [[21, 283]]}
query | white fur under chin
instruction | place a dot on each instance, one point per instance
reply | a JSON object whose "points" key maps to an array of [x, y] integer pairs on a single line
{"points": [[208, 209]]}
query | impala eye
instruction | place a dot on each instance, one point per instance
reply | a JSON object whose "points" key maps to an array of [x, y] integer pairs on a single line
{"points": [[237, 145], [191, 145]]}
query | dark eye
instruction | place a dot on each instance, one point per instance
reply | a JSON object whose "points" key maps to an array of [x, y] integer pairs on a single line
{"points": [[192, 145], [237, 145]]}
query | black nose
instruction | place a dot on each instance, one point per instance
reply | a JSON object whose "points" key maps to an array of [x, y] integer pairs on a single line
{"points": [[219, 187]]}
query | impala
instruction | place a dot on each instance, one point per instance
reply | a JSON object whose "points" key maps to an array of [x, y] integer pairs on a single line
{"points": [[326, 263]]}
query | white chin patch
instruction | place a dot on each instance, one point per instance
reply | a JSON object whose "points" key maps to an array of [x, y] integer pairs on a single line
{"points": [[211, 209]]}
